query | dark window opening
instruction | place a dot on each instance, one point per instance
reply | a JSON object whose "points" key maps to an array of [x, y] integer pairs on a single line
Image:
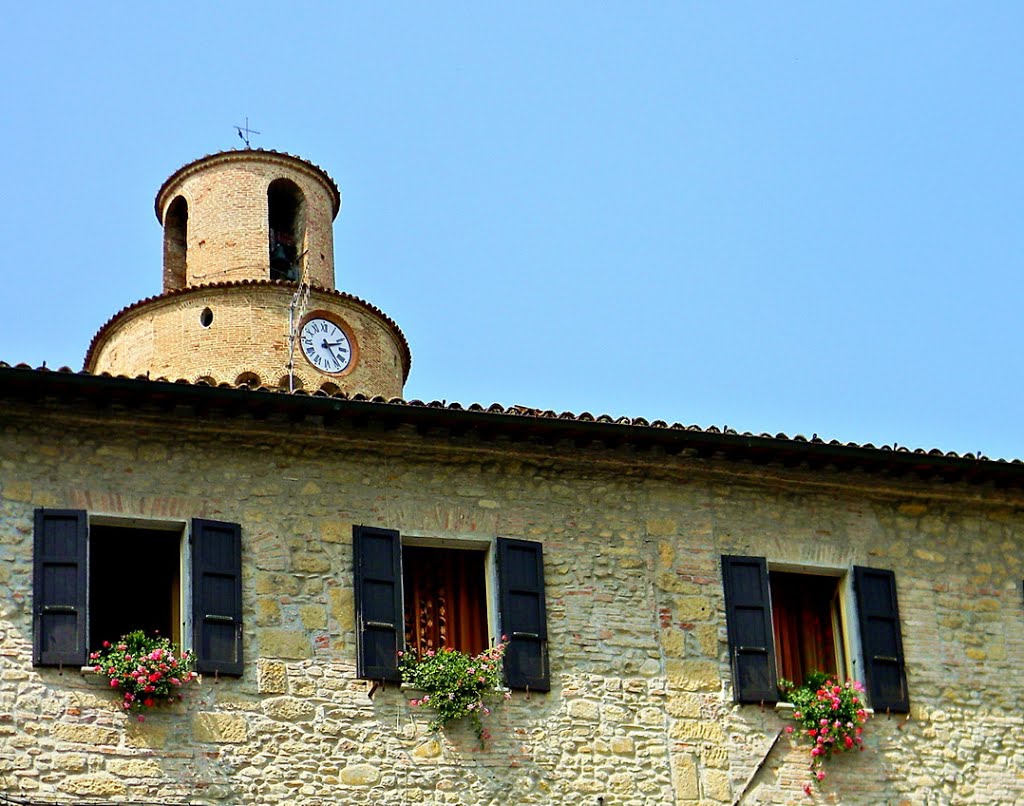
{"points": [[286, 208], [175, 244], [206, 317], [445, 599], [248, 379], [807, 625], [134, 583]]}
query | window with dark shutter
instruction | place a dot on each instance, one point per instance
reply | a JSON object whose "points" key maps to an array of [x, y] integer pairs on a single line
{"points": [[59, 587], [378, 600], [523, 614], [749, 622], [217, 597], [878, 611]]}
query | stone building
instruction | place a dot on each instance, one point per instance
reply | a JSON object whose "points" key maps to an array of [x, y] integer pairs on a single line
{"points": [[236, 467]]}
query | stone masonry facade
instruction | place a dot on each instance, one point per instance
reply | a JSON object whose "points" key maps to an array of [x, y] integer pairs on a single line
{"points": [[641, 711]]}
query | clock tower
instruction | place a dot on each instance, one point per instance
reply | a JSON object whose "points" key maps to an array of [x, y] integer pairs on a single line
{"points": [[248, 288]]}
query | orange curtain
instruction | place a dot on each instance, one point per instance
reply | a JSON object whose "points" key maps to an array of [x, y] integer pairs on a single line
{"points": [[445, 599], [802, 618]]}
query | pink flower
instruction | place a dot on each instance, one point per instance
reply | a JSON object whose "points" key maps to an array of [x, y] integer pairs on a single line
{"points": [[106, 644], [848, 742], [789, 728], [113, 683], [820, 775], [807, 789]]}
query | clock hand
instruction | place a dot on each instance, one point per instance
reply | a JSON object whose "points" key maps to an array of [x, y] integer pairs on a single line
{"points": [[327, 347]]}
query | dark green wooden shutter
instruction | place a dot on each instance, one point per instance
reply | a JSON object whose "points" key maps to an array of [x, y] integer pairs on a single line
{"points": [[748, 618], [59, 586], [217, 597], [524, 614], [377, 559], [884, 669]]}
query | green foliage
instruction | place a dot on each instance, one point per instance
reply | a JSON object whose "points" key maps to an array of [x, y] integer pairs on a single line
{"points": [[457, 685], [831, 717], [146, 670]]}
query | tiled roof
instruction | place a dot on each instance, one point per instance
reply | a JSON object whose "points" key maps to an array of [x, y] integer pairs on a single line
{"points": [[373, 309], [520, 422], [241, 153]]}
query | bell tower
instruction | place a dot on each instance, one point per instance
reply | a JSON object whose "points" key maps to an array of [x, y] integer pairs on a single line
{"points": [[248, 288]]}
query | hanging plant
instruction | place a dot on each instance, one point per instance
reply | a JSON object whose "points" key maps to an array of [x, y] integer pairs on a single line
{"points": [[831, 717], [146, 670], [457, 685]]}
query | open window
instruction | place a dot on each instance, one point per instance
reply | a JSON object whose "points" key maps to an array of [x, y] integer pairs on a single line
{"points": [[286, 209], [134, 596], [95, 580], [175, 244], [787, 624], [428, 596]]}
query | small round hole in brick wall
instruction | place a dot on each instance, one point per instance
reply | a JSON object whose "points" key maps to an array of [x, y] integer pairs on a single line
{"points": [[206, 317]]}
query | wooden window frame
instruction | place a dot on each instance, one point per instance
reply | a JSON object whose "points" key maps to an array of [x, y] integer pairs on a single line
{"points": [[865, 656], [75, 651], [379, 601]]}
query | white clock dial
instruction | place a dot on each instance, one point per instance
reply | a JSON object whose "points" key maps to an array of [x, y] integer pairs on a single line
{"points": [[325, 345]]}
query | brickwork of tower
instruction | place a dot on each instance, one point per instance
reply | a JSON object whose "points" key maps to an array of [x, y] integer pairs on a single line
{"points": [[241, 229]]}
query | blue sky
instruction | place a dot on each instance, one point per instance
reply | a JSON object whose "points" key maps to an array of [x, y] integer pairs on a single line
{"points": [[788, 217]]}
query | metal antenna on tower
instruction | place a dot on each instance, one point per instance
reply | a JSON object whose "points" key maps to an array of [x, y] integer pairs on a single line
{"points": [[296, 310], [245, 137]]}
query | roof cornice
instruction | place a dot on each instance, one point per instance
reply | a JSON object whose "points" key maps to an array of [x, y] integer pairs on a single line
{"points": [[514, 423]]}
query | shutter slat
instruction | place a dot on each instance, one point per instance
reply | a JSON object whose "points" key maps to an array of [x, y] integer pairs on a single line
{"points": [[60, 587], [524, 613], [881, 639], [217, 597], [749, 624], [377, 565]]}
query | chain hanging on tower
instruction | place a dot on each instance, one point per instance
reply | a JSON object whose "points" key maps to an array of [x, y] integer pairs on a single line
{"points": [[296, 310]]}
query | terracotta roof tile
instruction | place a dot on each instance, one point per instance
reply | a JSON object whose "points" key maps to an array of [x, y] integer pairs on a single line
{"points": [[522, 413]]}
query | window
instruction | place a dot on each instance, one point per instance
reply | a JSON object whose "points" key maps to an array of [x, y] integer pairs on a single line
{"points": [[444, 598], [790, 624], [175, 244], [286, 217], [121, 600], [807, 623], [84, 576], [424, 596]]}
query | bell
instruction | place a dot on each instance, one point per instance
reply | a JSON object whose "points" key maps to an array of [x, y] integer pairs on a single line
{"points": [[280, 265]]}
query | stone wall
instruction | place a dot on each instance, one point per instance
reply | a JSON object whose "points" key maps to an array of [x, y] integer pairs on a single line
{"points": [[640, 711]]}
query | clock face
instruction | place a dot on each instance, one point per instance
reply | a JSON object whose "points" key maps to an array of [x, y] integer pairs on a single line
{"points": [[325, 345]]}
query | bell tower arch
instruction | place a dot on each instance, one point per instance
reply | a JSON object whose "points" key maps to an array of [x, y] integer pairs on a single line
{"points": [[247, 236]]}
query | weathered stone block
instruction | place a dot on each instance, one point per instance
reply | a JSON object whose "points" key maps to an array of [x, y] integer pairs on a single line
{"points": [[86, 734], [271, 677], [134, 768], [290, 644], [360, 775], [291, 709], [99, 785], [218, 728]]}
